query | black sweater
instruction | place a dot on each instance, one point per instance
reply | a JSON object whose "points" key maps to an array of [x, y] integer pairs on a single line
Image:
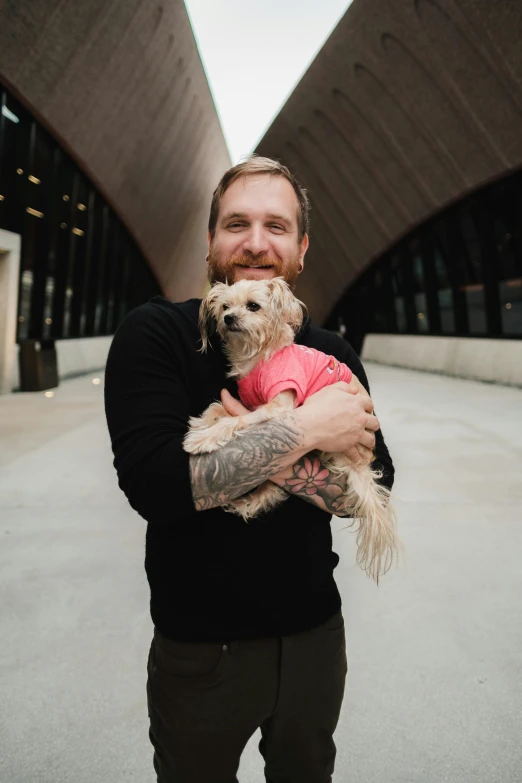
{"points": [[212, 576]]}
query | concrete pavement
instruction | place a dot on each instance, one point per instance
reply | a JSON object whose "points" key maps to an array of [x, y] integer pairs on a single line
{"points": [[434, 691]]}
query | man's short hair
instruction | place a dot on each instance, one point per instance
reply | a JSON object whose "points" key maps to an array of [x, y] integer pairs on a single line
{"points": [[258, 165]]}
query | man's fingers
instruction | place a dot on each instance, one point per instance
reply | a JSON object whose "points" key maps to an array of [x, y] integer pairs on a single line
{"points": [[372, 424], [360, 455], [353, 455], [368, 404], [356, 387], [366, 455], [232, 406], [368, 440], [362, 391]]}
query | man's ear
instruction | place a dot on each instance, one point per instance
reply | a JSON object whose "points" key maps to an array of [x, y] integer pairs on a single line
{"points": [[305, 242], [209, 240]]}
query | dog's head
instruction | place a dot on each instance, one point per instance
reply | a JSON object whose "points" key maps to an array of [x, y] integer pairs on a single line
{"points": [[251, 317]]}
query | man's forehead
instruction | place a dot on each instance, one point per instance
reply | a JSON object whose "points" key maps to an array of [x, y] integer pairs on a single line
{"points": [[261, 193]]}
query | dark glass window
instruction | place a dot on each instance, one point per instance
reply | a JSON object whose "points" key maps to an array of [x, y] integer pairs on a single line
{"points": [[470, 269], [15, 125], [419, 286], [382, 303], [101, 228], [399, 292], [78, 256], [81, 271], [444, 292], [37, 237], [506, 205], [458, 274]]}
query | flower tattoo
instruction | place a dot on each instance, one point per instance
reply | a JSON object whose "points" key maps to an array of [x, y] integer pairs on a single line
{"points": [[309, 476], [312, 482]]}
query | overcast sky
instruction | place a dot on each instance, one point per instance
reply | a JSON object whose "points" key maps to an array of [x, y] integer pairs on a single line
{"points": [[254, 52]]}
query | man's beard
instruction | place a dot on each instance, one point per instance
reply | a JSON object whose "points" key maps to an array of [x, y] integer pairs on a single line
{"points": [[226, 271]]}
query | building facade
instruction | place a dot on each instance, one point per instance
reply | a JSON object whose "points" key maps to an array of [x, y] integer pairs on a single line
{"points": [[407, 132], [110, 148], [80, 269], [458, 275]]}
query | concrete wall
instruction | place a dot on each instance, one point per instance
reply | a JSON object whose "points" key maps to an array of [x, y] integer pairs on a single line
{"points": [[74, 357], [482, 359], [409, 105], [122, 87]]}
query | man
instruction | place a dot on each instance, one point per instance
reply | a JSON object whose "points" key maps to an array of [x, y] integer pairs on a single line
{"points": [[248, 626]]}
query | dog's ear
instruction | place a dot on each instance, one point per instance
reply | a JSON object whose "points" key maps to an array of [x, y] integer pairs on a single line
{"points": [[207, 313], [286, 306]]}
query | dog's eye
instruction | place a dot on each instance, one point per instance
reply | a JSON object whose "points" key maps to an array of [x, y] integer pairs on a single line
{"points": [[225, 307], [253, 306]]}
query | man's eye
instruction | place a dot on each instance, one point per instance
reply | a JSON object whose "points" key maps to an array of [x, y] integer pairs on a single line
{"points": [[253, 306], [279, 228]]}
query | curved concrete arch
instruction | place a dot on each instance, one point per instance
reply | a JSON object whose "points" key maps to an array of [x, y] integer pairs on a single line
{"points": [[353, 169], [325, 202], [358, 161], [122, 87], [375, 151], [417, 81], [337, 188], [410, 105]]}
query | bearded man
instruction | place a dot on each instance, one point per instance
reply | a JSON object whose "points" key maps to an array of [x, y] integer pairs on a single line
{"points": [[248, 627]]}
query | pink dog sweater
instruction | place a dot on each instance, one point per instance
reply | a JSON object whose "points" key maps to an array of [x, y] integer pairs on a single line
{"points": [[295, 367]]}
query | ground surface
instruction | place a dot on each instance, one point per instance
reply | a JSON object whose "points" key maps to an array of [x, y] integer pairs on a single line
{"points": [[434, 691]]}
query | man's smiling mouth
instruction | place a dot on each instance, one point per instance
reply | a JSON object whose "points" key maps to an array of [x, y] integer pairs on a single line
{"points": [[256, 266]]}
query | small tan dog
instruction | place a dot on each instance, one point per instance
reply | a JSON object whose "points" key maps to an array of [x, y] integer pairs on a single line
{"points": [[256, 320]]}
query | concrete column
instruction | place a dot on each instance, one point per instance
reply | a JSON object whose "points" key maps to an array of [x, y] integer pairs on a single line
{"points": [[9, 280]]}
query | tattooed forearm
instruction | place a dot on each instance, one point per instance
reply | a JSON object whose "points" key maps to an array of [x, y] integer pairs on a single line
{"points": [[243, 464], [311, 481]]}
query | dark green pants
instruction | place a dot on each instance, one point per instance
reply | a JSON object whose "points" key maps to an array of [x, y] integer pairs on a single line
{"points": [[207, 700]]}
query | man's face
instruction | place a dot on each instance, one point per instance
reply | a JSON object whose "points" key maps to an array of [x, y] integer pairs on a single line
{"points": [[256, 233]]}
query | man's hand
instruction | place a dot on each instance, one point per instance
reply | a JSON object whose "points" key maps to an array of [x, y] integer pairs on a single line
{"points": [[339, 420]]}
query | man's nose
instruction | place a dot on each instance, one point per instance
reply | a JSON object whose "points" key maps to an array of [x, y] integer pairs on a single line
{"points": [[229, 319], [256, 242]]}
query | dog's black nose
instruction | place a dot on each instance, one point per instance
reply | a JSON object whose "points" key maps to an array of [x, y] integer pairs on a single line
{"points": [[229, 319]]}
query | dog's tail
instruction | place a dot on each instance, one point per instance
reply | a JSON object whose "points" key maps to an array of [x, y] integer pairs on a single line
{"points": [[378, 544]]}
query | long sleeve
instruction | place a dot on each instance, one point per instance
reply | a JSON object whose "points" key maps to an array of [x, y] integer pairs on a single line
{"points": [[147, 409]]}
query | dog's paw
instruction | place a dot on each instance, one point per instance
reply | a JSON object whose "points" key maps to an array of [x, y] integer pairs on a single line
{"points": [[246, 507], [205, 440], [197, 441], [208, 418], [214, 413], [266, 497]]}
